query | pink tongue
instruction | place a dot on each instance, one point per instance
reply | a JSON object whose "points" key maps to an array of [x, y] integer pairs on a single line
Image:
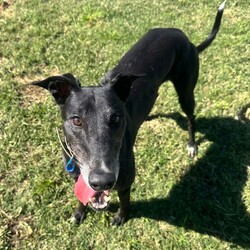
{"points": [[82, 191]]}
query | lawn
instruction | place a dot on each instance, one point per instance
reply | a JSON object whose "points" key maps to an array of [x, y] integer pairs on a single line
{"points": [[177, 202]]}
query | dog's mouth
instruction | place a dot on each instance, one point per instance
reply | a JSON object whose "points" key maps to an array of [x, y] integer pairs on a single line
{"points": [[97, 200], [100, 201]]}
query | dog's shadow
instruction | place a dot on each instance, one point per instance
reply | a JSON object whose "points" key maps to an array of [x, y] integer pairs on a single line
{"points": [[208, 198]]}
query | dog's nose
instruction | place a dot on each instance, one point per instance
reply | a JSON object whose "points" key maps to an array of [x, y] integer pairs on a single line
{"points": [[101, 182]]}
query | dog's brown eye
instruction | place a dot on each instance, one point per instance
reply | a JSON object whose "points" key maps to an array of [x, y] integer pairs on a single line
{"points": [[77, 121], [115, 119]]}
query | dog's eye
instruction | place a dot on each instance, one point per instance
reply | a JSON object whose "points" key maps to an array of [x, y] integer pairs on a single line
{"points": [[115, 119], [77, 121]]}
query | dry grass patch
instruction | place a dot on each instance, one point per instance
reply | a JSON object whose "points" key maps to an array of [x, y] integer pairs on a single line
{"points": [[6, 9], [31, 94]]}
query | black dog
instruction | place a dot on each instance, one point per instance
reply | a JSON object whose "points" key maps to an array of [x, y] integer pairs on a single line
{"points": [[101, 123]]}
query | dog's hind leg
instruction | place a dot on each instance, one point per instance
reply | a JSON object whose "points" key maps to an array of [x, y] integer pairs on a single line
{"points": [[187, 102], [187, 105], [184, 82]]}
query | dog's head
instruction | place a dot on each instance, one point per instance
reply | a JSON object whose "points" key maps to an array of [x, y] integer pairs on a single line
{"points": [[94, 122]]}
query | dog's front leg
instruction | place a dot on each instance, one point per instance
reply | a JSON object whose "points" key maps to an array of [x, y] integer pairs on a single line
{"points": [[80, 213], [122, 213]]}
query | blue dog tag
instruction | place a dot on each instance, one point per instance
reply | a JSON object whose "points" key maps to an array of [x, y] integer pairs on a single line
{"points": [[70, 166]]}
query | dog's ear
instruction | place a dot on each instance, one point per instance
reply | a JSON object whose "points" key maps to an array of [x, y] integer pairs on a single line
{"points": [[122, 84], [60, 86]]}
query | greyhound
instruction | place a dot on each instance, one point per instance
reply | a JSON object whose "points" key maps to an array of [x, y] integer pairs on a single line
{"points": [[100, 123]]}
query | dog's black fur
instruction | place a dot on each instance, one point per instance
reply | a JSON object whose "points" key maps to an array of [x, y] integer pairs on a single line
{"points": [[101, 123]]}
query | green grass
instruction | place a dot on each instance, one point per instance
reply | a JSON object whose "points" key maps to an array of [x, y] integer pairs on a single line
{"points": [[177, 203]]}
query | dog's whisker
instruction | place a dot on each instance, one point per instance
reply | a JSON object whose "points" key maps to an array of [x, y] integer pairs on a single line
{"points": [[70, 153], [68, 147], [65, 150]]}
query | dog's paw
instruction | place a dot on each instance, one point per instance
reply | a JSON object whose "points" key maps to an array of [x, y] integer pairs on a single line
{"points": [[192, 150], [119, 219], [79, 217]]}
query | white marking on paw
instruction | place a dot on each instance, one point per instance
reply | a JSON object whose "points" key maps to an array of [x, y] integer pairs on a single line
{"points": [[192, 151], [222, 6]]}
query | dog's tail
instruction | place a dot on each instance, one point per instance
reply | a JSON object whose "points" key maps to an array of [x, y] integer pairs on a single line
{"points": [[214, 31]]}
